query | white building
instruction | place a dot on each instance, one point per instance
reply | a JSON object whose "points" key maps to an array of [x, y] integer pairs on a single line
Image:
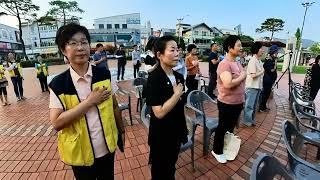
{"points": [[39, 38], [9, 41], [121, 29]]}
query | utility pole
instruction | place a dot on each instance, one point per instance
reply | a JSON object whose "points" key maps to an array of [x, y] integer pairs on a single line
{"points": [[306, 5]]}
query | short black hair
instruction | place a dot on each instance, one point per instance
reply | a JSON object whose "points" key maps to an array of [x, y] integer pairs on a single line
{"points": [[229, 42], [134, 45], [255, 47], [65, 33], [150, 43], [161, 44], [99, 45], [190, 47], [212, 44], [317, 59]]}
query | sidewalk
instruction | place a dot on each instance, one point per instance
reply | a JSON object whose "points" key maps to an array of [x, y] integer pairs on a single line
{"points": [[28, 147]]}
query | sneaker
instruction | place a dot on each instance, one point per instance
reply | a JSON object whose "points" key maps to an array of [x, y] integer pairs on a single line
{"points": [[23, 98], [221, 158], [247, 124], [18, 99]]}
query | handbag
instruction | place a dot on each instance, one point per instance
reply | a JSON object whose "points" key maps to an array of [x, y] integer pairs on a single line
{"points": [[231, 146]]}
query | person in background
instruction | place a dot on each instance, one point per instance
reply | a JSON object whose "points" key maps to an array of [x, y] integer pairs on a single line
{"points": [[42, 74], [315, 82], [165, 93], [15, 70], [192, 64], [242, 58], [213, 65], [121, 56], [269, 77], [3, 86], [136, 58], [100, 57], [253, 84], [84, 109], [231, 77], [181, 66]]}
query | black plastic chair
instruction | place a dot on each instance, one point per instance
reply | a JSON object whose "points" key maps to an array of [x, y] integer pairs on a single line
{"points": [[196, 100], [145, 118], [308, 125], [203, 86], [139, 84], [294, 142], [126, 105], [143, 74], [267, 167]]}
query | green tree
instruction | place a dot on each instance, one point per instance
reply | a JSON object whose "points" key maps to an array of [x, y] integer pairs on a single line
{"points": [[271, 25], [315, 48], [245, 39], [219, 39], [64, 9], [19, 9], [298, 36]]}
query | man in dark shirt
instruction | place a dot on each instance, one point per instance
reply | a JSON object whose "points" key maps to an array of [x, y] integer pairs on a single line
{"points": [[121, 56], [270, 76], [100, 57], [213, 65]]}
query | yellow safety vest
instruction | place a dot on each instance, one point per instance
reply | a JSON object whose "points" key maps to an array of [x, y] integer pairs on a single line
{"points": [[2, 69], [74, 142], [12, 73], [42, 68]]}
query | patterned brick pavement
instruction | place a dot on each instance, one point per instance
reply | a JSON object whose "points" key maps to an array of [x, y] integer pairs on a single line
{"points": [[28, 148]]}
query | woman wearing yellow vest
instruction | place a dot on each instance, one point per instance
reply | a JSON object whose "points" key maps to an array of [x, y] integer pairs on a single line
{"points": [[42, 73], [84, 110], [15, 70], [3, 87]]}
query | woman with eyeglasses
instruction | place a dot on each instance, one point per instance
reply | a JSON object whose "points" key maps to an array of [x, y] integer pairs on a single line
{"points": [[84, 110]]}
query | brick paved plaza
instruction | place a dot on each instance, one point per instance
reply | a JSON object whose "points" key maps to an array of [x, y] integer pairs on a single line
{"points": [[28, 143]]}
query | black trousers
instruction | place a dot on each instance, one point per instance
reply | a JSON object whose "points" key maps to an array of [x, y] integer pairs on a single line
{"points": [[136, 69], [163, 160], [43, 82], [212, 84], [3, 90], [121, 69], [102, 169], [17, 86], [265, 94], [313, 92], [192, 83], [228, 118]]}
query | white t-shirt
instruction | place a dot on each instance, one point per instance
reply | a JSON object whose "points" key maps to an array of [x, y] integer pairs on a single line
{"points": [[255, 65], [172, 79]]}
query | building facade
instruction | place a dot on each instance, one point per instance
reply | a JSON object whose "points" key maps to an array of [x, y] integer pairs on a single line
{"points": [[9, 41], [117, 30]]}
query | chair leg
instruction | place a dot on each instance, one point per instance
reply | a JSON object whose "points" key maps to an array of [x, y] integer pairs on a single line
{"points": [[192, 158], [138, 102], [205, 142], [318, 154], [130, 116]]}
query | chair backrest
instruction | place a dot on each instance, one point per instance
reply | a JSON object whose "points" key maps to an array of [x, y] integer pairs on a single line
{"points": [[139, 85], [197, 99], [143, 74], [294, 142], [267, 167], [302, 113], [145, 115]]}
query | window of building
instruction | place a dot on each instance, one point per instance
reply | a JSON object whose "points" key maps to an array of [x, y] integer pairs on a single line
{"points": [[109, 26], [117, 26], [196, 33], [101, 26], [204, 33], [124, 26]]}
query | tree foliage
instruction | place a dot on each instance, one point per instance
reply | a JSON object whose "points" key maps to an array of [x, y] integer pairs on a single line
{"points": [[21, 9], [315, 48], [271, 25], [60, 8], [298, 36]]}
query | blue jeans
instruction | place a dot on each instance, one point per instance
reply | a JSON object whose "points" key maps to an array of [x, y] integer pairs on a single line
{"points": [[252, 97]]}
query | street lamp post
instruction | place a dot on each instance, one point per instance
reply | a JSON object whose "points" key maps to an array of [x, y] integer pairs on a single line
{"points": [[179, 27], [306, 5]]}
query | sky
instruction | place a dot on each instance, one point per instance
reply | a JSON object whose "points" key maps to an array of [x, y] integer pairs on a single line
{"points": [[222, 14]]}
